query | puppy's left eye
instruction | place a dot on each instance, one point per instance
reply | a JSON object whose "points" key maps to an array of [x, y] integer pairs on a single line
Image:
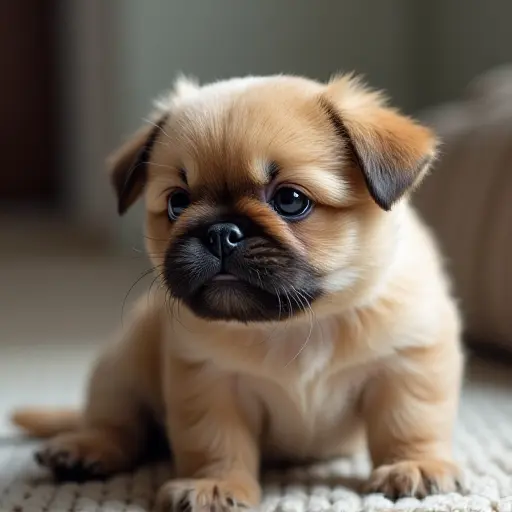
{"points": [[291, 203], [176, 203]]}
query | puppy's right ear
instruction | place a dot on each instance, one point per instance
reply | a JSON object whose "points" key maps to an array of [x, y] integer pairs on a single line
{"points": [[128, 165]]}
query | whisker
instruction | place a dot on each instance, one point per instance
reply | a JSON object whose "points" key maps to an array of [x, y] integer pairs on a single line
{"points": [[168, 307], [312, 322], [290, 309], [277, 325], [178, 316], [279, 303], [142, 276], [170, 303], [158, 278]]}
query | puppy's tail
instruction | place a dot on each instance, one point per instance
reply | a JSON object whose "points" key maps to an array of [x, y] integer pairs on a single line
{"points": [[46, 422]]}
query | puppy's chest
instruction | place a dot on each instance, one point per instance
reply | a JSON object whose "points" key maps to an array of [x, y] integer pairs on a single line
{"points": [[292, 386], [299, 420], [306, 408]]}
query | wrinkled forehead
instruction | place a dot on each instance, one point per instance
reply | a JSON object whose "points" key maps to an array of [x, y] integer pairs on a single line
{"points": [[239, 138]]}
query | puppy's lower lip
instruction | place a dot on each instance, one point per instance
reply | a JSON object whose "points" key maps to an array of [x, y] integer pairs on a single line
{"points": [[225, 277]]}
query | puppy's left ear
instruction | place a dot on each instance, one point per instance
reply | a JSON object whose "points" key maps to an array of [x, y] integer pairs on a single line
{"points": [[392, 151], [128, 165]]}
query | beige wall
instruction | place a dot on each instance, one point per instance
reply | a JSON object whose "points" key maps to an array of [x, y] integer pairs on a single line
{"points": [[456, 40], [121, 53]]}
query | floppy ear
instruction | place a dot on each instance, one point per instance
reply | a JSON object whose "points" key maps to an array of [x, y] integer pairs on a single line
{"points": [[128, 165], [392, 151]]}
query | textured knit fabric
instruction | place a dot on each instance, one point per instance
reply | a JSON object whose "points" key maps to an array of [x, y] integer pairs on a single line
{"points": [[483, 446]]}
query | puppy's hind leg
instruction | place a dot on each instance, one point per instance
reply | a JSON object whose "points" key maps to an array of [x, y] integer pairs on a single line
{"points": [[110, 435]]}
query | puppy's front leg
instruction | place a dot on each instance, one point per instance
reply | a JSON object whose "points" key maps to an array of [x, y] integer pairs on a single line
{"points": [[215, 449], [410, 409]]}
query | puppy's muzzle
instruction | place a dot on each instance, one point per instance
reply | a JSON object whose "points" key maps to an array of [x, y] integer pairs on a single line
{"points": [[231, 269]]}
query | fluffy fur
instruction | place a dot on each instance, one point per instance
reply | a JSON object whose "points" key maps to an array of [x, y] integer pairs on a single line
{"points": [[365, 352]]}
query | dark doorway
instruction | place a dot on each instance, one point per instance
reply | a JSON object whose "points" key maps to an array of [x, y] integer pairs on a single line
{"points": [[28, 113]]}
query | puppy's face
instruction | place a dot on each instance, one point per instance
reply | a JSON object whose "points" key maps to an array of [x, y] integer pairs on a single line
{"points": [[265, 194]]}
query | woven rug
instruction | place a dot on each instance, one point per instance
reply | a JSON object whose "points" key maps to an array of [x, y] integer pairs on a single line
{"points": [[483, 445]]}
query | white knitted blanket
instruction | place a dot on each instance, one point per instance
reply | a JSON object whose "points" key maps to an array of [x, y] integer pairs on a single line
{"points": [[483, 442]]}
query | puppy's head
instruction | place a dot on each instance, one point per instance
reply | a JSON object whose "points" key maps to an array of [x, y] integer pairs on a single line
{"points": [[265, 194]]}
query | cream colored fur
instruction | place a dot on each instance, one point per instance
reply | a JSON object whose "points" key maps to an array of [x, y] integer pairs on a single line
{"points": [[375, 361]]}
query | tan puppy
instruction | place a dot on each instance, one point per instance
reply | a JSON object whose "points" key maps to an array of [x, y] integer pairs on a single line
{"points": [[302, 307]]}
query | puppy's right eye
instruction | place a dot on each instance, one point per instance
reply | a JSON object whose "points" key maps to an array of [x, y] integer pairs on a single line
{"points": [[176, 203]]}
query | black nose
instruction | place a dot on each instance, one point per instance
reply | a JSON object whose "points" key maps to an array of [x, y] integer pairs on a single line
{"points": [[223, 238]]}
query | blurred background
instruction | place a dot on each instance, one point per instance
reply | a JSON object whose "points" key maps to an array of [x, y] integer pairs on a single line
{"points": [[79, 75]]}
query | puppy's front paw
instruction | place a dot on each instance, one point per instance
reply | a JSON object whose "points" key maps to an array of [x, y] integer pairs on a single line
{"points": [[415, 478], [206, 496], [82, 455]]}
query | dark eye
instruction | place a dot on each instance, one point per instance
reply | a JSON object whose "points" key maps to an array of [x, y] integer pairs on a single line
{"points": [[176, 203], [291, 203]]}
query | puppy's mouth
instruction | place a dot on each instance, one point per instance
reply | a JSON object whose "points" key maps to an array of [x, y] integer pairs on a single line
{"points": [[223, 277], [258, 281], [229, 297]]}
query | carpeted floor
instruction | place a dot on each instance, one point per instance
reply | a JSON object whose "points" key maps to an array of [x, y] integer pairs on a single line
{"points": [[53, 305], [484, 447]]}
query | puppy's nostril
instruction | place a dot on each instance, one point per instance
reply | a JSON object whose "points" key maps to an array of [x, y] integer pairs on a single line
{"points": [[223, 238], [234, 237]]}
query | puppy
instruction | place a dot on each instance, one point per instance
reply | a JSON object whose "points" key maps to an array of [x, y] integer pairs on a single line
{"points": [[302, 308]]}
